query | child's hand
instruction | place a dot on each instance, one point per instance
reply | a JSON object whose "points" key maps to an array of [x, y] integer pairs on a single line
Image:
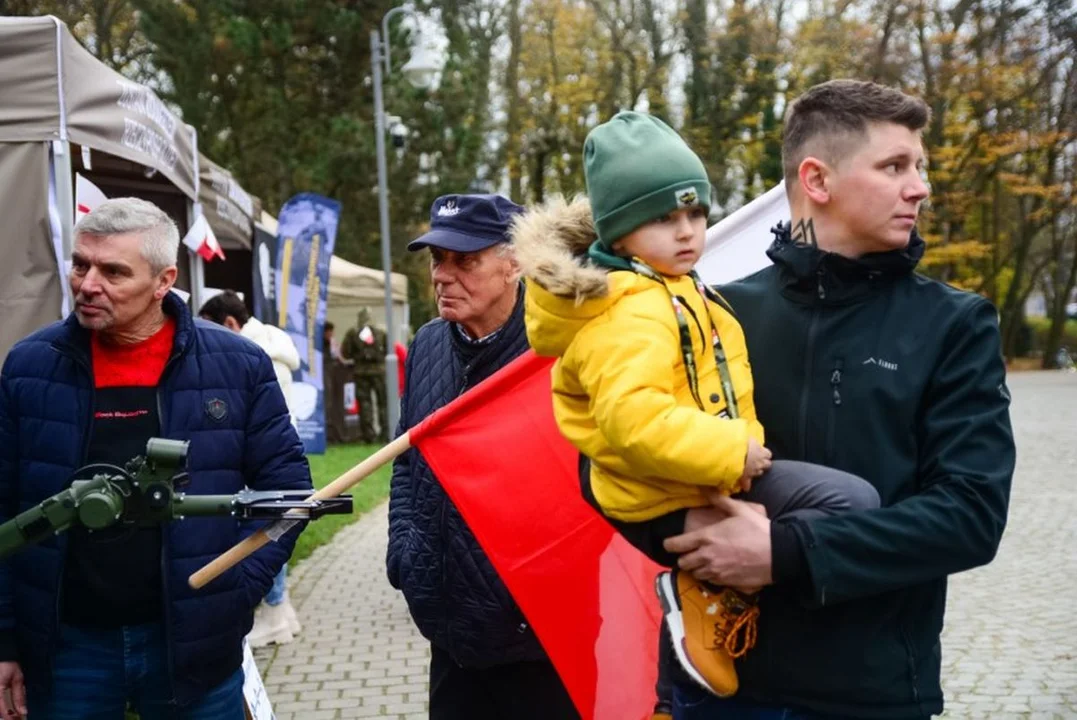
{"points": [[756, 462]]}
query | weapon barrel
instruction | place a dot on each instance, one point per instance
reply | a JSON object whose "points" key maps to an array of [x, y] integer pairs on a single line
{"points": [[53, 515], [25, 528], [202, 505]]}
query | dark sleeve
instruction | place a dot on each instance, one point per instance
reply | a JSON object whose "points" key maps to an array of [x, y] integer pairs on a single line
{"points": [[9, 491], [347, 345], [966, 463], [789, 567], [273, 459], [400, 499]]}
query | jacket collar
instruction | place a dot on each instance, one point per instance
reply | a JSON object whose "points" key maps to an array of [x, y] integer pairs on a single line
{"points": [[813, 276], [75, 339]]}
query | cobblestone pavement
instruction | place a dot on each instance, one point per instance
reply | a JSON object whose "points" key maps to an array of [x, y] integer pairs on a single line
{"points": [[358, 654], [1009, 647]]}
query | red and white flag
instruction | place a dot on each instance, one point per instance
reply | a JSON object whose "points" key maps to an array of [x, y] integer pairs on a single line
{"points": [[200, 239], [87, 197], [587, 593]]}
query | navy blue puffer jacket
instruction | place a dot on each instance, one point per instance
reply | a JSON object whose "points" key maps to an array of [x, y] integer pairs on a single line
{"points": [[46, 401], [456, 598]]}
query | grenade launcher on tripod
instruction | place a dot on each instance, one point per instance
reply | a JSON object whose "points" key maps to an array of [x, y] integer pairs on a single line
{"points": [[148, 491]]}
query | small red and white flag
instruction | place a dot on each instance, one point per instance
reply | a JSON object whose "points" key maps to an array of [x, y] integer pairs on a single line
{"points": [[200, 239], [87, 197]]}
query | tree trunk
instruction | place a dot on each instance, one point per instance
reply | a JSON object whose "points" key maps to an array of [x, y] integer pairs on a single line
{"points": [[1058, 314], [696, 36], [1011, 308], [538, 178]]}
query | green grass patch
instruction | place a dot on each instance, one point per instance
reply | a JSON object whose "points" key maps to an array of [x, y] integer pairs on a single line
{"points": [[368, 494]]}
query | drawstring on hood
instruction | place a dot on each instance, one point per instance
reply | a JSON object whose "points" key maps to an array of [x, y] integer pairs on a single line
{"points": [[809, 274]]}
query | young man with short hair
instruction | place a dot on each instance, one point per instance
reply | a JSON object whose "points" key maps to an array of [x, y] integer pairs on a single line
{"points": [[863, 365]]}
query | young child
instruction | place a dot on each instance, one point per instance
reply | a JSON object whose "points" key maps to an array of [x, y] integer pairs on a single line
{"points": [[653, 383]]}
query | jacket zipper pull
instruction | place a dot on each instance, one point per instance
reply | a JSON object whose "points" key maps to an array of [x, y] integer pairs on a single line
{"points": [[820, 290], [835, 382]]}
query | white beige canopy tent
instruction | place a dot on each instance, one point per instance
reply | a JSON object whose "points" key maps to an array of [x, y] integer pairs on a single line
{"points": [[62, 111], [352, 287], [229, 209], [231, 212]]}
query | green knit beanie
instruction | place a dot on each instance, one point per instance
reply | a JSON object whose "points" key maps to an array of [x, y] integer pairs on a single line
{"points": [[639, 169]]}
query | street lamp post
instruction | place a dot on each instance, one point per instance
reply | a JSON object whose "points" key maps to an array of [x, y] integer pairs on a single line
{"points": [[421, 74]]}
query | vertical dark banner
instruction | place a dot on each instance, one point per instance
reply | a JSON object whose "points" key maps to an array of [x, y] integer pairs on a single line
{"points": [[306, 234], [264, 276]]}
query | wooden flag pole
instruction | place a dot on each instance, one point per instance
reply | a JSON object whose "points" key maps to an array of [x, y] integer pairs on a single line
{"points": [[237, 553]]}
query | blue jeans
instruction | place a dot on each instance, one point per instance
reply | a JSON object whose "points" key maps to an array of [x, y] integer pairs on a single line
{"points": [[96, 673], [693, 703], [275, 596]]}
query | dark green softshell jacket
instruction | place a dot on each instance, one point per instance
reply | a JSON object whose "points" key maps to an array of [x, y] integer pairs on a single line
{"points": [[866, 366]]}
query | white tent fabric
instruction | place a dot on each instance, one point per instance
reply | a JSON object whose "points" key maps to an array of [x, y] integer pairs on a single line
{"points": [[352, 287], [55, 94], [737, 245], [54, 89]]}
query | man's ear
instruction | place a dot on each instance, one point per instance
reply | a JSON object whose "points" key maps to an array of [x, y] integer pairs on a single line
{"points": [[165, 280], [513, 275], [814, 176]]}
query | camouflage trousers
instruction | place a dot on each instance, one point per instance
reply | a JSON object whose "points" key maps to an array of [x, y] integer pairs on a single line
{"points": [[373, 417]]}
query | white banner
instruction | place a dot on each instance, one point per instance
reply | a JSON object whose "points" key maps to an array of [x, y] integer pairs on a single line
{"points": [[254, 692]]}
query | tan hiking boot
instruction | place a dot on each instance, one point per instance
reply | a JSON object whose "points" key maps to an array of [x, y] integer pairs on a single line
{"points": [[709, 629]]}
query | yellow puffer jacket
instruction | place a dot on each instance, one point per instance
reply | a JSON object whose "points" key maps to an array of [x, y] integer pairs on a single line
{"points": [[620, 390]]}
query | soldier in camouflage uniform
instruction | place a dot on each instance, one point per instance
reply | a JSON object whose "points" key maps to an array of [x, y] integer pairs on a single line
{"points": [[365, 345]]}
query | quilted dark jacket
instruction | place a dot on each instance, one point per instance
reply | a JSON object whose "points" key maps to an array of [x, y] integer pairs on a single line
{"points": [[46, 402], [456, 598]]}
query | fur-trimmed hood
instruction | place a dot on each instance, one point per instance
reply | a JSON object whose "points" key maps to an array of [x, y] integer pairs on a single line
{"points": [[565, 290], [551, 244]]}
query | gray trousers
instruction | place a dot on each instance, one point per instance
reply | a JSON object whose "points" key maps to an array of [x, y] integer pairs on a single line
{"points": [[789, 489], [798, 489]]}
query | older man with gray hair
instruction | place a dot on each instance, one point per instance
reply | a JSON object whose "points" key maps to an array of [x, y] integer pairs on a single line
{"points": [[485, 659], [91, 622]]}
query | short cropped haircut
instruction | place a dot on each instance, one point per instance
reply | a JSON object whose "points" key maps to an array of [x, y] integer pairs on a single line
{"points": [[224, 305], [128, 215], [831, 119]]}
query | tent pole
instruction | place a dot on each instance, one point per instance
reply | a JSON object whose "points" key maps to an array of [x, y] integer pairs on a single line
{"points": [[65, 201], [195, 262], [64, 219], [194, 211]]}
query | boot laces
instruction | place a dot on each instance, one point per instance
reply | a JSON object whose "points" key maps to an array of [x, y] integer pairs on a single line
{"points": [[737, 636]]}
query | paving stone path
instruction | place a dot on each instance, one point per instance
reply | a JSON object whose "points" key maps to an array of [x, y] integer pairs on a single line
{"points": [[1009, 646]]}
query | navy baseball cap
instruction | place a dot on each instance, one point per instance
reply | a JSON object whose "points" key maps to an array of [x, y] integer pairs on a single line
{"points": [[468, 223]]}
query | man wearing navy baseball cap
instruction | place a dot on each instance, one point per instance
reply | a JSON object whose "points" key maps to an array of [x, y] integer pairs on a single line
{"points": [[485, 661], [476, 282]]}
